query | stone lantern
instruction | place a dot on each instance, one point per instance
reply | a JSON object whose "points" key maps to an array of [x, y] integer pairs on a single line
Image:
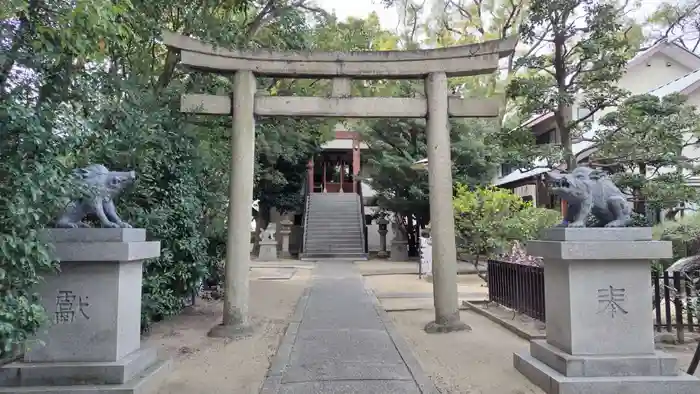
{"points": [[382, 222]]}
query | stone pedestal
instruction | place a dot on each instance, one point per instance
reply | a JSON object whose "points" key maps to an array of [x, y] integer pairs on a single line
{"points": [[599, 318], [93, 342], [399, 250], [285, 232], [268, 250]]}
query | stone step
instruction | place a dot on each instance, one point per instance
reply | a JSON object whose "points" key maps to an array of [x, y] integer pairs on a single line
{"points": [[336, 256], [334, 213], [145, 382], [340, 203], [333, 226], [334, 210], [337, 227], [334, 196], [336, 240], [335, 202], [352, 243], [330, 234], [334, 246], [334, 251], [347, 223]]}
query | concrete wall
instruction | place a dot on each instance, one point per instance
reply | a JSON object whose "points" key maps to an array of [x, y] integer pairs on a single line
{"points": [[373, 237], [640, 78], [659, 69]]}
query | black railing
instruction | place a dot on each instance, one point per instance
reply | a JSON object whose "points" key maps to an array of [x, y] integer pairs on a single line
{"points": [[674, 292], [521, 288], [307, 194], [365, 234], [518, 287]]}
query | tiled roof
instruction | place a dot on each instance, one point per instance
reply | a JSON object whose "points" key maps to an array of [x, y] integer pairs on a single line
{"points": [[518, 175]]}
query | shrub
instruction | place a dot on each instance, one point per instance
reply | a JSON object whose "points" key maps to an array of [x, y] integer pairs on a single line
{"points": [[489, 220], [173, 197], [638, 220], [33, 189], [684, 235]]}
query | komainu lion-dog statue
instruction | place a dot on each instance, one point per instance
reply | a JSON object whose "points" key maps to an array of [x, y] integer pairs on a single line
{"points": [[102, 186], [588, 191]]}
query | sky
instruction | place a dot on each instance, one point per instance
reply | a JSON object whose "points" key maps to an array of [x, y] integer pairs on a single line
{"points": [[361, 8], [389, 17]]}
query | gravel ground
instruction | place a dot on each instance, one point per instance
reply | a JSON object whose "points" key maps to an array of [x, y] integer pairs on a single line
{"points": [[218, 366], [476, 362]]}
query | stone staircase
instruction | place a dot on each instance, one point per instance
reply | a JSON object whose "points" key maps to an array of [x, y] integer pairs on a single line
{"points": [[333, 227]]}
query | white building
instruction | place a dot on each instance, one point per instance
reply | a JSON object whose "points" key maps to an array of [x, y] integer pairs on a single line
{"points": [[663, 69]]}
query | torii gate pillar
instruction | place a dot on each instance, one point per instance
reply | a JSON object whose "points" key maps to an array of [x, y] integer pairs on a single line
{"points": [[445, 297], [235, 321]]}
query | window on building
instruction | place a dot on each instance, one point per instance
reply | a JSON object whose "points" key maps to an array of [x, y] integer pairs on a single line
{"points": [[545, 138], [507, 169], [582, 112]]}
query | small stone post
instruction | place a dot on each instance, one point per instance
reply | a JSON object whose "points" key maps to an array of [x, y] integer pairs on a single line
{"points": [[445, 296], [285, 232], [268, 243], [600, 334], [382, 222], [399, 245], [235, 319], [93, 340], [426, 253]]}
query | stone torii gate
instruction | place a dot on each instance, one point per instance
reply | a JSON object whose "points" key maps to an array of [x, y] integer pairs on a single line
{"points": [[434, 65]]}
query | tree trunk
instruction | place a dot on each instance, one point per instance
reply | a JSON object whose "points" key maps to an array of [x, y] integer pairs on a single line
{"points": [[640, 204], [561, 73]]}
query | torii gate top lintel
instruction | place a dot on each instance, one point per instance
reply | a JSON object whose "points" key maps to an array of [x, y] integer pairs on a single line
{"points": [[464, 60]]}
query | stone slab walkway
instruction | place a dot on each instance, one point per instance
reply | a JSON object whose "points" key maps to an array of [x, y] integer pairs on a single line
{"points": [[340, 341]]}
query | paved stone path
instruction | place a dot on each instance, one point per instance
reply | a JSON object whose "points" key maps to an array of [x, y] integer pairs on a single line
{"points": [[340, 341]]}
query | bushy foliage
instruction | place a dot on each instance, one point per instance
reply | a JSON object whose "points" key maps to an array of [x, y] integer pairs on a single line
{"points": [[394, 147], [170, 196], [90, 82], [489, 220], [646, 140], [33, 188], [638, 220], [684, 235]]}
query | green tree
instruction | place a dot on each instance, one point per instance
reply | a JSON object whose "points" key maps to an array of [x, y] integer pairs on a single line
{"points": [[395, 145], [589, 43], [676, 20], [460, 22], [489, 220], [284, 146], [89, 81], [646, 142], [43, 46]]}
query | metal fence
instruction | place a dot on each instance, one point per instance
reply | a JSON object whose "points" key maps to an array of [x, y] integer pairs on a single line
{"points": [[521, 288], [674, 298], [518, 287]]}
